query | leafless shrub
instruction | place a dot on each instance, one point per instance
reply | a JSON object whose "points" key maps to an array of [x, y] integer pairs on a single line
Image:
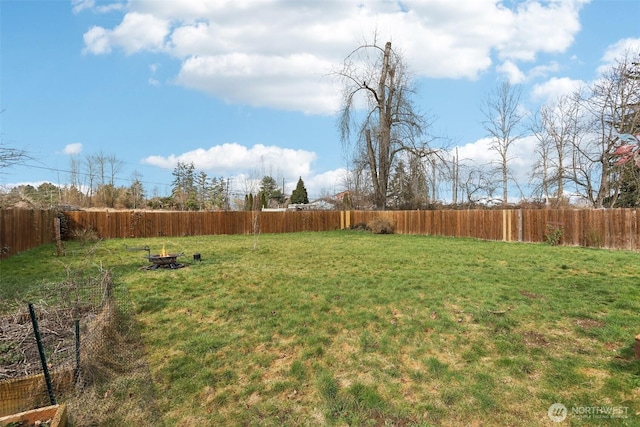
{"points": [[381, 226]]}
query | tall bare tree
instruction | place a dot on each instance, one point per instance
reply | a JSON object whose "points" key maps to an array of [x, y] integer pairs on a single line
{"points": [[612, 103], [557, 127], [90, 175], [502, 115], [377, 108]]}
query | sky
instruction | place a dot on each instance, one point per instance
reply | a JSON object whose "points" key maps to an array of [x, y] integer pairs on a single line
{"points": [[244, 88]]}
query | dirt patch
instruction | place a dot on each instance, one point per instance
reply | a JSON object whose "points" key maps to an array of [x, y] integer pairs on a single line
{"points": [[535, 339], [588, 323], [530, 295]]}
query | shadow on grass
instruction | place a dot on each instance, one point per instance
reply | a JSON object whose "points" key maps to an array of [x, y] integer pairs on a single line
{"points": [[626, 361], [118, 389]]}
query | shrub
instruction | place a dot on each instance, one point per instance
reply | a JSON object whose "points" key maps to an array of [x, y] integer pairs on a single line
{"points": [[86, 235], [361, 226], [594, 238], [381, 226], [553, 235]]}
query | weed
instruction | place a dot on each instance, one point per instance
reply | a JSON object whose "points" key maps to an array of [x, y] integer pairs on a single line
{"points": [[593, 238]]}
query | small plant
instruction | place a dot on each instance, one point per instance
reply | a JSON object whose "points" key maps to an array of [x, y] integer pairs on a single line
{"points": [[86, 235], [593, 238], [553, 235], [381, 226]]}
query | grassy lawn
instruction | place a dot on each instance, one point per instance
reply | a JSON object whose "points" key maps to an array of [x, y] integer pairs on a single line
{"points": [[350, 328]]}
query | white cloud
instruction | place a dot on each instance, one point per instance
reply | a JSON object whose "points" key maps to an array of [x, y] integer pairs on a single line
{"points": [[478, 152], [246, 166], [278, 53], [554, 88], [541, 27], [515, 75], [327, 183], [109, 8], [74, 148], [78, 6], [511, 70], [152, 80], [618, 51], [96, 41], [137, 32], [262, 81], [231, 158]]}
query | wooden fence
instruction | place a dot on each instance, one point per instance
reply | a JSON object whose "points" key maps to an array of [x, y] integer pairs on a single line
{"points": [[22, 229], [610, 228]]}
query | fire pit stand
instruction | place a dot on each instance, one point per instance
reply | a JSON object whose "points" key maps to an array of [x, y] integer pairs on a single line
{"points": [[163, 261]]}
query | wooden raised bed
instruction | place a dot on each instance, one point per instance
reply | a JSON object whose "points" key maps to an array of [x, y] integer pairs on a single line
{"points": [[55, 415]]}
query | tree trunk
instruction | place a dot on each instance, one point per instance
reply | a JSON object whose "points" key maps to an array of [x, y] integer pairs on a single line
{"points": [[385, 101]]}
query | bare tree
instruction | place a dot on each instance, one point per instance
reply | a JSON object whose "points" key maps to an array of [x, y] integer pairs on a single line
{"points": [[478, 183], [378, 109], [10, 156], [612, 104], [557, 128], [502, 113], [90, 175]]}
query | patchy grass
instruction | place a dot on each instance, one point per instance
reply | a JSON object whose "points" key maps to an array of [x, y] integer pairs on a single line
{"points": [[361, 329]]}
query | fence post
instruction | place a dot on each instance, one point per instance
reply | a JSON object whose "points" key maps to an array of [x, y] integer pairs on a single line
{"points": [[56, 227], [43, 358], [506, 223], [520, 232], [76, 374]]}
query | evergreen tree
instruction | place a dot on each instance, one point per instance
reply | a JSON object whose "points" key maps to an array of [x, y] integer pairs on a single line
{"points": [[248, 202], [263, 199], [218, 193], [629, 193], [183, 188], [202, 189], [269, 188], [299, 195]]}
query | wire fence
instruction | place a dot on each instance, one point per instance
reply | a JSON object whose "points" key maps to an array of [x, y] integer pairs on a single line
{"points": [[48, 345]]}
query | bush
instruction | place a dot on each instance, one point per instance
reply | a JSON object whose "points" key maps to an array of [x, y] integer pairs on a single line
{"points": [[86, 235], [553, 235], [361, 226], [381, 226]]}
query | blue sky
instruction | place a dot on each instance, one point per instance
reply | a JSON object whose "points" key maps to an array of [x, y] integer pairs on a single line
{"points": [[242, 88]]}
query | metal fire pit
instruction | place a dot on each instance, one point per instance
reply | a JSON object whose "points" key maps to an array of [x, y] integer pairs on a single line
{"points": [[161, 260], [164, 261]]}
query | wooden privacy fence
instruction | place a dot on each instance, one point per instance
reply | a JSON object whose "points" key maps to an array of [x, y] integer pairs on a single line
{"points": [[607, 228], [22, 229], [160, 224]]}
